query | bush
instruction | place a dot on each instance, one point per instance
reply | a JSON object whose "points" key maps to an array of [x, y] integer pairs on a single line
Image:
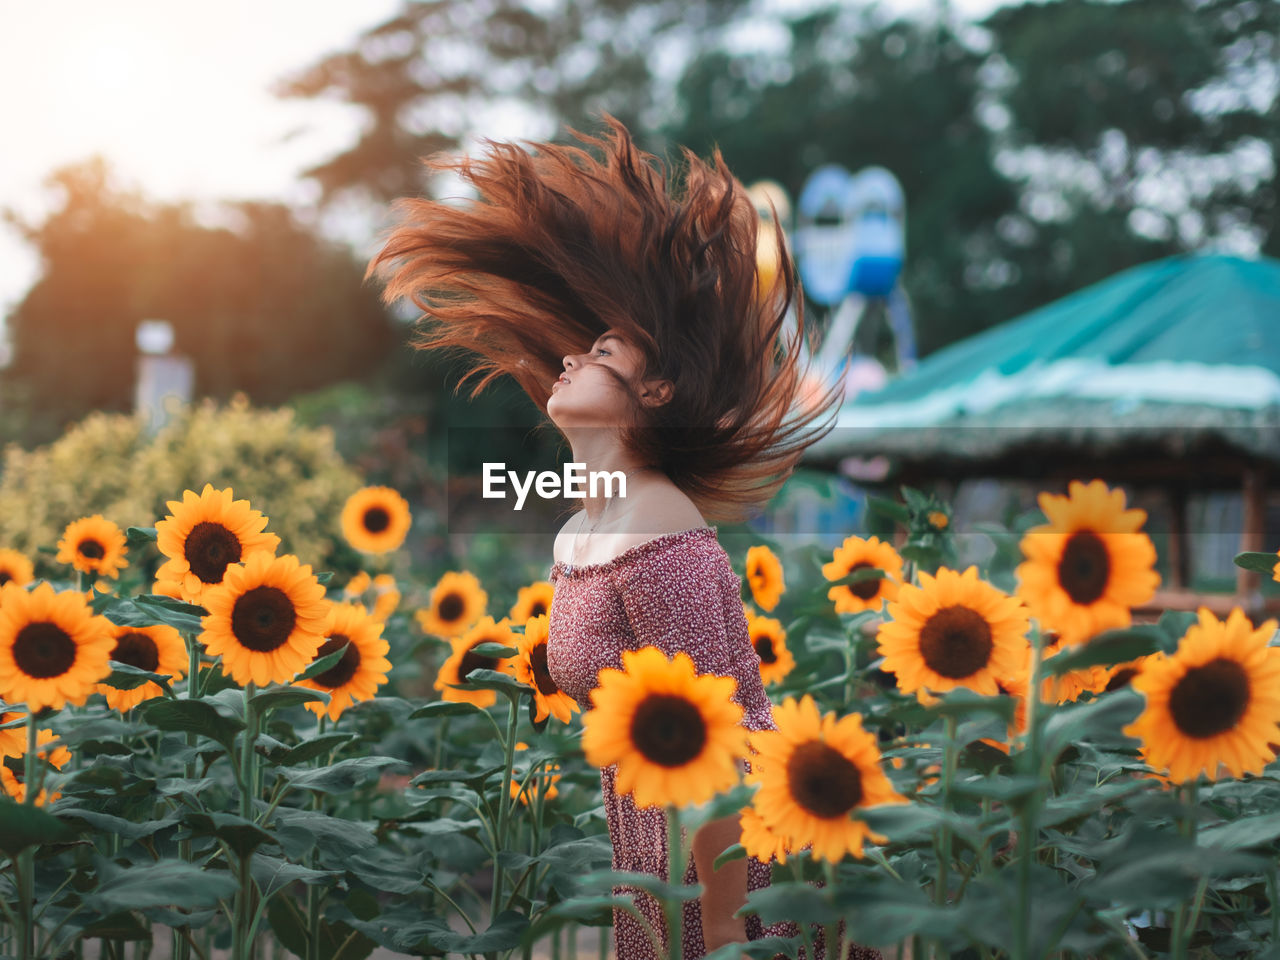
{"points": [[109, 464]]}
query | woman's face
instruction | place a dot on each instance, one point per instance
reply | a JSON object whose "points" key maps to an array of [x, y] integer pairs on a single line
{"points": [[586, 394]]}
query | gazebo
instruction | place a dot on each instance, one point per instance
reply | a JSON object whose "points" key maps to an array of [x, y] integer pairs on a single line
{"points": [[1164, 377]]}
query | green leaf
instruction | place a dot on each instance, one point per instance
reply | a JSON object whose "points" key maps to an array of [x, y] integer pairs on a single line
{"points": [[241, 835], [324, 576], [797, 902], [1107, 649], [285, 697], [125, 676], [861, 575], [274, 874], [1242, 834], [137, 536], [735, 852], [889, 508], [445, 708], [503, 683], [1258, 562], [166, 883], [491, 649], [763, 949], [315, 747], [505, 933], [23, 825], [192, 716], [324, 663], [336, 839], [341, 777], [643, 881], [961, 702], [107, 824]]}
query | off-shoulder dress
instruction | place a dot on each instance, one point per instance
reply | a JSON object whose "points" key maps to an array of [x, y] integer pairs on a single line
{"points": [[677, 592]]}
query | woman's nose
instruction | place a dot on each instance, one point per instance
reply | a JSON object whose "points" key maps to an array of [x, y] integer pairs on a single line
{"points": [[568, 362]]}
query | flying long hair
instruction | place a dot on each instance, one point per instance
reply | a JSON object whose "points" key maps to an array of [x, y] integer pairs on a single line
{"points": [[562, 246]]}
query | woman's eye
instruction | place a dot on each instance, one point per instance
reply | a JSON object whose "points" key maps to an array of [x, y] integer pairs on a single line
{"points": [[602, 350]]}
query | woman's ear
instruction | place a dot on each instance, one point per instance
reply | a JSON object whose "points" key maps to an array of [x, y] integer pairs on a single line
{"points": [[654, 393]]}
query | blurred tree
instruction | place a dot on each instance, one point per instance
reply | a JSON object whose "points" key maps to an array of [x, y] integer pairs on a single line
{"points": [[428, 76], [262, 306], [1062, 143]]}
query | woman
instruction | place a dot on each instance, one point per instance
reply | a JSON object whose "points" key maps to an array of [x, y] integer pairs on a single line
{"points": [[632, 314]]}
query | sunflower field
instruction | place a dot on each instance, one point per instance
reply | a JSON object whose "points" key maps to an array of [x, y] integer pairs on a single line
{"points": [[207, 740]]}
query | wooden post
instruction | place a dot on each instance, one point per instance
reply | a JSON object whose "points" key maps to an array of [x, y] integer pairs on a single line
{"points": [[1254, 494]]}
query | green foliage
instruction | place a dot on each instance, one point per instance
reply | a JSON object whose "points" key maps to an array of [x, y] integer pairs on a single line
{"points": [[108, 464], [263, 305]]}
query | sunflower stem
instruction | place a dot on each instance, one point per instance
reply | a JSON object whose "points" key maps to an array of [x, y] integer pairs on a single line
{"points": [[182, 942], [944, 832], [674, 909], [313, 898], [241, 945], [513, 719], [25, 877], [1184, 927], [831, 931], [1027, 838]]}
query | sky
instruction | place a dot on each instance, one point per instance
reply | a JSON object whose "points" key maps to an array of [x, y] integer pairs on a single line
{"points": [[177, 97]]}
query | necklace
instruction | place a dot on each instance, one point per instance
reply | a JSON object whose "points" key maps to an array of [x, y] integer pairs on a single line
{"points": [[573, 551]]}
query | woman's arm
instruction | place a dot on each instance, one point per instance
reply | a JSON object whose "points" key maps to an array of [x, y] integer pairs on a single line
{"points": [[724, 890]]}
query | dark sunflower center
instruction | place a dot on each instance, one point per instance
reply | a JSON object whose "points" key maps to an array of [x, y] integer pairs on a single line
{"points": [[345, 668], [209, 548], [538, 609], [451, 607], [866, 589], [1121, 679], [764, 649], [668, 730], [541, 675], [5, 577], [376, 519], [1085, 567], [956, 642], [475, 661], [263, 618], [823, 780], [1210, 699], [137, 650], [42, 649], [92, 549]]}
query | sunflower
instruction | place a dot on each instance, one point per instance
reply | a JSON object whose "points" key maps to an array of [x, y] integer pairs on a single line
{"points": [[1068, 687], [159, 649], [761, 842], [769, 638], [764, 576], [1214, 703], [53, 650], [357, 585], [11, 785], [531, 668], [15, 567], [93, 545], [675, 736], [533, 601], [1015, 687], [266, 619], [202, 536], [1089, 565], [13, 742], [858, 554], [954, 630], [1122, 674], [544, 780], [361, 669], [814, 772], [938, 520], [457, 602], [375, 520], [463, 660]]}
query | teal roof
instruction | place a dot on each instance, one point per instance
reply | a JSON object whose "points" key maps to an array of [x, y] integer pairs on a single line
{"points": [[1190, 341]]}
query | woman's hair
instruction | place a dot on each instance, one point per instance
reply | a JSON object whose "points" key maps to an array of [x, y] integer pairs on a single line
{"points": [[562, 246]]}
